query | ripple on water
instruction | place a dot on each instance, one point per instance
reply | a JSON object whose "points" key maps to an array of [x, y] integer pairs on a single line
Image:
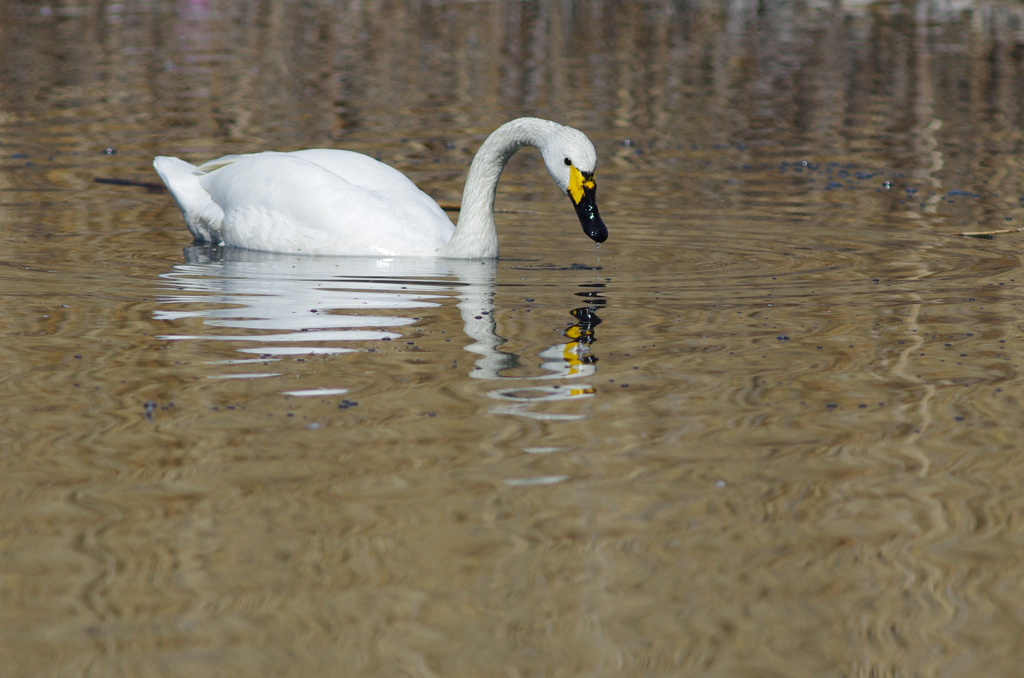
{"points": [[794, 442]]}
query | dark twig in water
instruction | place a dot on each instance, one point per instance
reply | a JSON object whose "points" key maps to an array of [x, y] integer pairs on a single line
{"points": [[1002, 230], [148, 185]]}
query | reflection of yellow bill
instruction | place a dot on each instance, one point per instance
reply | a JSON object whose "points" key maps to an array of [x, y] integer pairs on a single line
{"points": [[581, 391], [539, 394], [571, 355]]}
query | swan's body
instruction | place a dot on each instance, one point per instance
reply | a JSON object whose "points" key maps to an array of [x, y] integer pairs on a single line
{"points": [[325, 201]]}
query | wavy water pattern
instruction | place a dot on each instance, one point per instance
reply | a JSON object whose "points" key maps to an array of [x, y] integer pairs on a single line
{"points": [[770, 427]]}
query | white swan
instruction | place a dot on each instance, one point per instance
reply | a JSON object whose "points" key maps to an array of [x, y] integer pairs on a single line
{"points": [[325, 201]]}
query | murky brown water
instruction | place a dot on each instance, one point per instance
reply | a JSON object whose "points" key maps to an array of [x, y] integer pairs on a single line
{"points": [[771, 428]]}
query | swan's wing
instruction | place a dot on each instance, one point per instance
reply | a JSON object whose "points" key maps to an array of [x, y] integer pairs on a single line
{"points": [[285, 203], [373, 175], [356, 168], [217, 163]]}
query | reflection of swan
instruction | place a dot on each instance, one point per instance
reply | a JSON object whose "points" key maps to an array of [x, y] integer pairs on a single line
{"points": [[278, 304], [298, 296], [325, 201], [570, 360]]}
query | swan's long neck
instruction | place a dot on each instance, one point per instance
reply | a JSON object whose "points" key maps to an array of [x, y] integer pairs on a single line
{"points": [[475, 235]]}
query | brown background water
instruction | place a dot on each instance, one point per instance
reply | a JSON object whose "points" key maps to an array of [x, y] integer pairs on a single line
{"points": [[798, 452]]}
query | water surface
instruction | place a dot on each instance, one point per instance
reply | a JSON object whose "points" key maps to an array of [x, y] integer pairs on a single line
{"points": [[771, 427]]}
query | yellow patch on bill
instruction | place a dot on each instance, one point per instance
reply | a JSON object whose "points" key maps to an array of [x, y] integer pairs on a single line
{"points": [[577, 182]]}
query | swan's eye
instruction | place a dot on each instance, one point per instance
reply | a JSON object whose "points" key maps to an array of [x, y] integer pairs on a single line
{"points": [[568, 162]]}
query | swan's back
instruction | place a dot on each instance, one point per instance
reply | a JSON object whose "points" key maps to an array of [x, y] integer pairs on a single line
{"points": [[318, 201]]}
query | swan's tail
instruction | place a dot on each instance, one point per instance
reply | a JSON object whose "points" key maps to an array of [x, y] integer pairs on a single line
{"points": [[202, 215]]}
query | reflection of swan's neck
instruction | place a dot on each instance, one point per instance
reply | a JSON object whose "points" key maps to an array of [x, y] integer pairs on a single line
{"points": [[476, 305], [475, 236]]}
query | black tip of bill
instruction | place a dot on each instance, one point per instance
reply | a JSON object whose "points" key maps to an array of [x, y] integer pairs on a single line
{"points": [[590, 219]]}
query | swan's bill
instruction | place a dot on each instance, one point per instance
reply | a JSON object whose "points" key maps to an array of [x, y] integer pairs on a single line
{"points": [[583, 192]]}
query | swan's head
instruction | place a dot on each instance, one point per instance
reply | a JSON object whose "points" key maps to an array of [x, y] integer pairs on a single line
{"points": [[571, 161]]}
